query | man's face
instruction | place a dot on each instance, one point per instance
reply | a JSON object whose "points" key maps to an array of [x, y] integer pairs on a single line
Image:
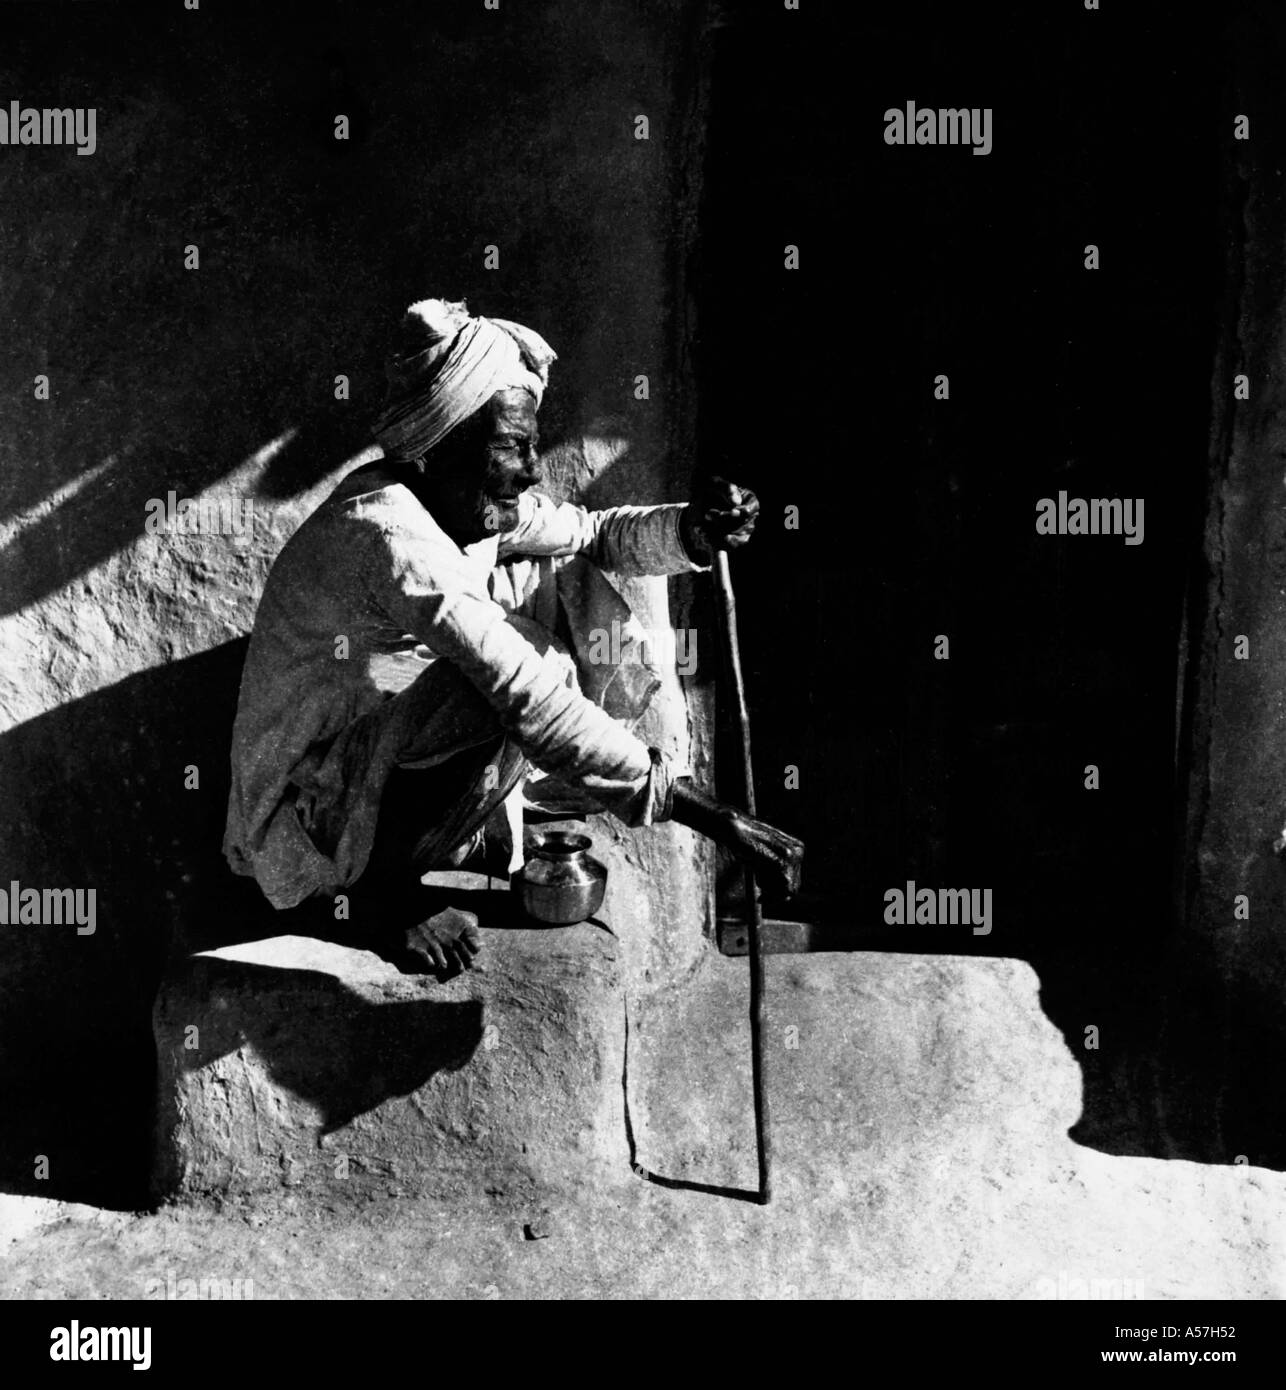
{"points": [[499, 463], [474, 477]]}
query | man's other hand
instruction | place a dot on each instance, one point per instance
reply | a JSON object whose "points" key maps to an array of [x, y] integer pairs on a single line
{"points": [[721, 516], [775, 856]]}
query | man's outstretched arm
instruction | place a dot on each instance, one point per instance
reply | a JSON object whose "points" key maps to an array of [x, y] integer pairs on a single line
{"points": [[669, 538]]}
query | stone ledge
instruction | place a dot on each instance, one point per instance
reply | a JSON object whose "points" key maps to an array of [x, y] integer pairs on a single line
{"points": [[321, 1068], [917, 1075]]}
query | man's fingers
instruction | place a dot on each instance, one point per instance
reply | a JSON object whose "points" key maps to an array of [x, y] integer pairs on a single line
{"points": [[726, 495], [778, 856], [719, 495], [424, 944], [427, 953], [728, 514], [467, 942]]}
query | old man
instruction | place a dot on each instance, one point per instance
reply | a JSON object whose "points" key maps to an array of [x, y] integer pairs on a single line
{"points": [[413, 665]]}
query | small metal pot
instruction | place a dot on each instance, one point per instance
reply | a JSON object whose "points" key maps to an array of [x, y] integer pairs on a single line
{"points": [[561, 883]]}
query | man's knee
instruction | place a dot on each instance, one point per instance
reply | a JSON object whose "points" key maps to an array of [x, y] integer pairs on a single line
{"points": [[444, 712]]}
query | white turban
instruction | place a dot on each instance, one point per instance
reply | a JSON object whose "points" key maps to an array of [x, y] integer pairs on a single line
{"points": [[448, 365]]}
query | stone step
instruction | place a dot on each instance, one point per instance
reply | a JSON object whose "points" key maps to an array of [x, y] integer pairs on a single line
{"points": [[299, 1063]]}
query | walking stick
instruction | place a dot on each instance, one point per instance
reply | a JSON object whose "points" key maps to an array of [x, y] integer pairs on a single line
{"points": [[728, 607]]}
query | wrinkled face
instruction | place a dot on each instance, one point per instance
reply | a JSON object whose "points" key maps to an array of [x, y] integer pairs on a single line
{"points": [[508, 443], [476, 476]]}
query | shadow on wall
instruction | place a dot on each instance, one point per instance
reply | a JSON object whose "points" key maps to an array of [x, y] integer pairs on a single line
{"points": [[102, 804], [329, 1047], [98, 515]]}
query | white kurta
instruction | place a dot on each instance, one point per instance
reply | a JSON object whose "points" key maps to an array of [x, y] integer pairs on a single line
{"points": [[339, 683]]}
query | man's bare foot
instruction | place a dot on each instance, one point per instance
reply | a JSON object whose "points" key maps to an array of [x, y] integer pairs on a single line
{"points": [[444, 944]]}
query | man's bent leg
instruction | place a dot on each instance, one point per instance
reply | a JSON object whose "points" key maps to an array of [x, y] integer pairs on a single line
{"points": [[429, 816], [439, 717], [425, 815]]}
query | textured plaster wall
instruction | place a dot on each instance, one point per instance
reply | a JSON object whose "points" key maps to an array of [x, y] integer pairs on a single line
{"points": [[120, 651]]}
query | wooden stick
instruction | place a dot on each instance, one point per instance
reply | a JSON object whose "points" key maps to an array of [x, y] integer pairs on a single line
{"points": [[763, 1138]]}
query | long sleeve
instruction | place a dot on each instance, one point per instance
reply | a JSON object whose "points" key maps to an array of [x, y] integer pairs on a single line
{"points": [[629, 541]]}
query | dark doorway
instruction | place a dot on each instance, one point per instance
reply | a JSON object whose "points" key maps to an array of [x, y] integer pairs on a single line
{"points": [[917, 515]]}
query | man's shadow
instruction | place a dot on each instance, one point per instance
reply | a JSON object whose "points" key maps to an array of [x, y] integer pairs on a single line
{"points": [[323, 1041]]}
